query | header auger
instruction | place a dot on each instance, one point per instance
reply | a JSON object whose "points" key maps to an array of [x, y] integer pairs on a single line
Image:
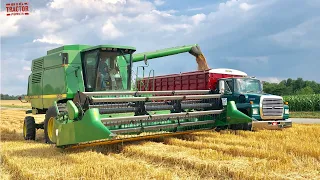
{"points": [[85, 94]]}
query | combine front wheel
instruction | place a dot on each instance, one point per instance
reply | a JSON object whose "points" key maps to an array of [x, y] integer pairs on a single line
{"points": [[49, 126], [29, 128]]}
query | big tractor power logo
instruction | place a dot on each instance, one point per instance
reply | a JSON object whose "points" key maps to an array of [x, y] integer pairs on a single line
{"points": [[19, 8]]}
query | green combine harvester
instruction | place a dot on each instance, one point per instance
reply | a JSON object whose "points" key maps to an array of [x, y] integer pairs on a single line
{"points": [[85, 93]]}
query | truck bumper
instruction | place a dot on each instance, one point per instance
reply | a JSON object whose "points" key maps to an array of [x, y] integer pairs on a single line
{"points": [[271, 125]]}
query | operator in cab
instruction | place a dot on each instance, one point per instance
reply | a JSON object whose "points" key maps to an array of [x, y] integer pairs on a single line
{"points": [[103, 72], [109, 72]]}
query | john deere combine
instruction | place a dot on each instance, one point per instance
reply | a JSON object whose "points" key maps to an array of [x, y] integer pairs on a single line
{"points": [[85, 94]]}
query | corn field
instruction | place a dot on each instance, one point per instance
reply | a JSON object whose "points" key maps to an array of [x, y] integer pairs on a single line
{"points": [[303, 102]]}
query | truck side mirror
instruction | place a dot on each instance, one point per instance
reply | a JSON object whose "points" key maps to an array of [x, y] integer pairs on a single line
{"points": [[145, 60], [221, 87]]}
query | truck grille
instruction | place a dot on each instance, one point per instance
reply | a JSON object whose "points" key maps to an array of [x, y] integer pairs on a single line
{"points": [[272, 107]]}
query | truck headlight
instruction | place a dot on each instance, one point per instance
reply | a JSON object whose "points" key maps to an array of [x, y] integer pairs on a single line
{"points": [[255, 111], [286, 111]]}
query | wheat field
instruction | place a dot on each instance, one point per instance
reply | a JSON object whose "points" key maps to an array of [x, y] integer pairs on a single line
{"points": [[288, 154]]}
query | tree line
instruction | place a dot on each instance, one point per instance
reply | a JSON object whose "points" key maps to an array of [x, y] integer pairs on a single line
{"points": [[292, 87], [11, 97]]}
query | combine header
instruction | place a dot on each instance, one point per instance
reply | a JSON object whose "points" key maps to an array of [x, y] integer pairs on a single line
{"points": [[85, 94]]}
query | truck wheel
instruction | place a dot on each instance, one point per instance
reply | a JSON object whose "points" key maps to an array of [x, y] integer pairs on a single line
{"points": [[49, 129], [29, 128]]}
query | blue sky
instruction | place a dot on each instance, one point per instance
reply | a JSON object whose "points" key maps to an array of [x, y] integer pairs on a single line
{"points": [[269, 39]]}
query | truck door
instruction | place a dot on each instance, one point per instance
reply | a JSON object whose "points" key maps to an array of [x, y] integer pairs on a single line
{"points": [[228, 90]]}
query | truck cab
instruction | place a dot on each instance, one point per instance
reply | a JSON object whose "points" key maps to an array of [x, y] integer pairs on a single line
{"points": [[266, 110]]}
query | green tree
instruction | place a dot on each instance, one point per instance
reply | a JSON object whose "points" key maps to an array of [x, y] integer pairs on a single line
{"points": [[291, 87], [305, 90]]}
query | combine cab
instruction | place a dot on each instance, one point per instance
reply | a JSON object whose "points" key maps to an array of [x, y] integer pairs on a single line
{"points": [[85, 94]]}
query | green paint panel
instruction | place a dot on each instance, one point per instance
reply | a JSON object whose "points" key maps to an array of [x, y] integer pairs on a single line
{"points": [[74, 79], [73, 111], [89, 128], [234, 116], [77, 47], [52, 60], [54, 81]]}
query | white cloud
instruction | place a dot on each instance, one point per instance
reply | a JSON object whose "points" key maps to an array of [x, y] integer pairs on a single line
{"points": [[61, 4], [228, 4], [271, 79], [50, 26], [304, 35], [110, 31], [9, 24], [26, 68], [14, 80], [245, 6], [159, 2], [198, 18], [161, 13], [195, 9], [51, 39], [175, 27]]}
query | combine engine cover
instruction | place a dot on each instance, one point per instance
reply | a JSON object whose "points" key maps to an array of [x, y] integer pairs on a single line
{"points": [[109, 117]]}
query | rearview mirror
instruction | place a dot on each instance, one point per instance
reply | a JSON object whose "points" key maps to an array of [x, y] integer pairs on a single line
{"points": [[221, 87], [145, 60]]}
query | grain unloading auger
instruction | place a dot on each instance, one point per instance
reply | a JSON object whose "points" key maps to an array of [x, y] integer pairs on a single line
{"points": [[83, 108], [192, 49]]}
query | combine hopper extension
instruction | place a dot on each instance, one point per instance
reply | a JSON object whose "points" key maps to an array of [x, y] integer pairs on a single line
{"points": [[94, 118]]}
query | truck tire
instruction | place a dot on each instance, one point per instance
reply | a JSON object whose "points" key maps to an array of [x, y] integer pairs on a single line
{"points": [[50, 116], [29, 128]]}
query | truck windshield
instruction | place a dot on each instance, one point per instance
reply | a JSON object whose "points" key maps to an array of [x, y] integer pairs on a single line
{"points": [[248, 86], [105, 70]]}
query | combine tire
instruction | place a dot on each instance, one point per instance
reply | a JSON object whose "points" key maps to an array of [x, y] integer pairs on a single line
{"points": [[49, 130], [29, 128]]}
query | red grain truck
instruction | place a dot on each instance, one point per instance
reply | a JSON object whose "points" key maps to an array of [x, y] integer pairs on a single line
{"points": [[267, 111]]}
